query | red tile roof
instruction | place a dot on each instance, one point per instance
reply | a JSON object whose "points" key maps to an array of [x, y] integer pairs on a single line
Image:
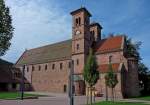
{"points": [[105, 67], [109, 44]]}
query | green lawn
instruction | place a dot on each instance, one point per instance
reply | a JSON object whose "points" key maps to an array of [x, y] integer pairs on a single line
{"points": [[118, 103], [147, 98], [13, 95]]}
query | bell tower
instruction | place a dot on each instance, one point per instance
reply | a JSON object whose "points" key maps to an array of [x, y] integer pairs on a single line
{"points": [[80, 46], [80, 38]]}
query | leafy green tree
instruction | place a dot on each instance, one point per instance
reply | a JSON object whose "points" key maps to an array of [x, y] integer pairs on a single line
{"points": [[133, 48], [144, 78], [111, 79], [6, 29], [90, 74]]}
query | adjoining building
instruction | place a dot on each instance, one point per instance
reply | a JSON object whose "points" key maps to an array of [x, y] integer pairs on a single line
{"points": [[48, 67], [10, 77]]}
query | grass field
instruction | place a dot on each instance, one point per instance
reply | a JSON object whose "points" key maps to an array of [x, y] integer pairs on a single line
{"points": [[13, 95], [118, 103]]}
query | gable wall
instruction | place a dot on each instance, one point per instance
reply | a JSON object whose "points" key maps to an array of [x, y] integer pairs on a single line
{"points": [[117, 57]]}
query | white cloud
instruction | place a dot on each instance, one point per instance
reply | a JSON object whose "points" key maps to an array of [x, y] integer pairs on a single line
{"points": [[36, 23]]}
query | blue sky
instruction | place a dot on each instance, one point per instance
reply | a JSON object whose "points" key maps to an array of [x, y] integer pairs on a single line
{"points": [[42, 22]]}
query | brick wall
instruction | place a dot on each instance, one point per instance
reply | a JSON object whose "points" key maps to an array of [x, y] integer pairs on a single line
{"points": [[101, 87], [52, 80], [117, 57]]}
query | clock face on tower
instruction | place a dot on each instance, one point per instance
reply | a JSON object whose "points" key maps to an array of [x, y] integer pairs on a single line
{"points": [[77, 32]]}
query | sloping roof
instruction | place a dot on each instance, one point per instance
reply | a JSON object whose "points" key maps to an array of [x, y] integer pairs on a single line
{"points": [[105, 67], [81, 9], [96, 24], [4, 62], [62, 50], [109, 44], [57, 51]]}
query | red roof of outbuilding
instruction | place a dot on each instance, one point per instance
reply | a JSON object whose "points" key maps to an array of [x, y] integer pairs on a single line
{"points": [[109, 44]]}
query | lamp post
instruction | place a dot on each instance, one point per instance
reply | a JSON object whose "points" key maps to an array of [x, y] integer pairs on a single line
{"points": [[22, 82], [71, 83]]}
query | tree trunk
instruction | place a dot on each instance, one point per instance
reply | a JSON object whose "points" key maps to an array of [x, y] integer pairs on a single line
{"points": [[90, 95], [94, 95], [106, 92], [113, 94], [87, 96]]}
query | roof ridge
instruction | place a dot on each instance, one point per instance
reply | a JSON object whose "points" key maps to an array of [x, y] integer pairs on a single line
{"points": [[55, 43], [113, 37]]}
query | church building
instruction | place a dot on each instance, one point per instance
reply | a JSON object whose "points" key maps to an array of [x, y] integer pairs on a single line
{"points": [[47, 68]]}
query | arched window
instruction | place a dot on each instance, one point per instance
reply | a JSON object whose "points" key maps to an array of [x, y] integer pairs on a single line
{"points": [[45, 67], [72, 62], [93, 32], [110, 59], [39, 67], [65, 88], [32, 68], [78, 46], [61, 65], [27, 69], [79, 21], [53, 66], [69, 64], [77, 61]]}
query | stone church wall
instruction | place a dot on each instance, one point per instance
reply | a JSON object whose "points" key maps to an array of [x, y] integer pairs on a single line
{"points": [[52, 80]]}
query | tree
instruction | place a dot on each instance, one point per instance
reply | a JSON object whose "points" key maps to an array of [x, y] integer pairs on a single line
{"points": [[133, 48], [111, 79], [6, 29], [144, 78], [143, 71], [90, 73]]}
